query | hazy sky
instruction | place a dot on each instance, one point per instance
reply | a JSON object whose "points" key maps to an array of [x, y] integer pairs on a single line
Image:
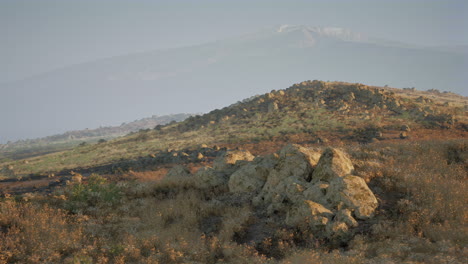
{"points": [[38, 36]]}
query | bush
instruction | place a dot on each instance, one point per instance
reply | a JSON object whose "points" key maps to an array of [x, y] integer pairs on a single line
{"points": [[97, 192], [36, 234]]}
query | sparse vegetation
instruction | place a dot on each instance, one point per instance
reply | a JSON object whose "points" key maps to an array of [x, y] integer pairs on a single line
{"points": [[131, 213], [421, 219]]}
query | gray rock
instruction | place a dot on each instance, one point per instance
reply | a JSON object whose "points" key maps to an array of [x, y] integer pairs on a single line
{"points": [[332, 164], [354, 194]]}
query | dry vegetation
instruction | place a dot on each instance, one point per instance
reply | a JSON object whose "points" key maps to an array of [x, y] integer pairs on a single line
{"points": [[131, 213], [421, 219]]}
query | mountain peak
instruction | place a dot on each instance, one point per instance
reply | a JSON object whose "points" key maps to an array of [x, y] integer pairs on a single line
{"points": [[324, 32]]}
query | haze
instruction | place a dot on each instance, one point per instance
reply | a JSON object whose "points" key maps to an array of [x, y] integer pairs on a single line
{"points": [[41, 37]]}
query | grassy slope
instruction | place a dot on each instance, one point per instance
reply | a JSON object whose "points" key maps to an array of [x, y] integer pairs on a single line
{"points": [[36, 147]]}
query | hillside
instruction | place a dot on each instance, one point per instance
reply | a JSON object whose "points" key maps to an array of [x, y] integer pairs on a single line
{"points": [[211, 75], [40, 146], [321, 172], [308, 112]]}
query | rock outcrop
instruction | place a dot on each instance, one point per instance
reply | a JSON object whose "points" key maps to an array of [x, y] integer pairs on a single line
{"points": [[306, 188], [207, 177]]}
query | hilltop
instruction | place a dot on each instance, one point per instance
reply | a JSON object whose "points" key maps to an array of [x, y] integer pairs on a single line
{"points": [[212, 75]]}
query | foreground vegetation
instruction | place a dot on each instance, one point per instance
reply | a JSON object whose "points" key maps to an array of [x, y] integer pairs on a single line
{"points": [[110, 202], [421, 189]]}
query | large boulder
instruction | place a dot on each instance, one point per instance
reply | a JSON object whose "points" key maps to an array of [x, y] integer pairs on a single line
{"points": [[294, 162], [308, 214], [207, 177], [178, 171], [317, 192], [333, 163], [227, 161], [353, 193], [248, 178], [287, 193], [344, 215]]}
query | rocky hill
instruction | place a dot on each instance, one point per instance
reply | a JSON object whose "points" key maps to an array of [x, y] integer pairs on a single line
{"points": [[316, 106], [219, 72], [321, 172], [310, 112]]}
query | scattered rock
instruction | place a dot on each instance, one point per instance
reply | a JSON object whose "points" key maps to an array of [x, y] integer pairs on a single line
{"points": [[273, 107], [76, 178], [405, 128], [403, 135]]}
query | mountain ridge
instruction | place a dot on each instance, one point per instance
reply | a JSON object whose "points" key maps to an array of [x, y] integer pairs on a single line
{"points": [[212, 75]]}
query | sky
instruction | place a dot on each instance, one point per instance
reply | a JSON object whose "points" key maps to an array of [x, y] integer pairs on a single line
{"points": [[40, 36]]}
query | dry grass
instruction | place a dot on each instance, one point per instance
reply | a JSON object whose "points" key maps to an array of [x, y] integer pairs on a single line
{"points": [[422, 218]]}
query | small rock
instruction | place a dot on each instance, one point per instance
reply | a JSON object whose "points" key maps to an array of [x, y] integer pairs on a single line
{"points": [[405, 128], [273, 107], [403, 135], [229, 159]]}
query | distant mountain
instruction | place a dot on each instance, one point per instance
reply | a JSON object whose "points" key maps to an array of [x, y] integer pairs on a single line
{"points": [[204, 77]]}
